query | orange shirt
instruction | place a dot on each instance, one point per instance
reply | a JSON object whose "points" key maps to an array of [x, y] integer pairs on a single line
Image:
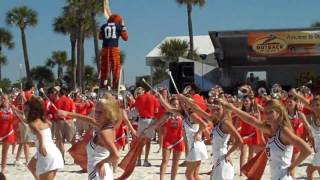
{"points": [[18, 102], [146, 105], [199, 100], [65, 103]]}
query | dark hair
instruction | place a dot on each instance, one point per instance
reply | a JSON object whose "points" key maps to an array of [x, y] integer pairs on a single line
{"points": [[51, 90], [195, 88], [28, 85], [36, 109], [63, 91], [251, 104]]}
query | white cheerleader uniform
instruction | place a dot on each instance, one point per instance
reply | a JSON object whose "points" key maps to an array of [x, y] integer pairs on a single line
{"points": [[279, 156], [316, 136], [95, 154], [221, 169], [197, 150], [53, 160]]}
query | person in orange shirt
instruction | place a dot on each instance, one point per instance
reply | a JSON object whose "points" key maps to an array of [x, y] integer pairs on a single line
{"points": [[65, 128], [110, 33], [146, 104], [25, 137]]}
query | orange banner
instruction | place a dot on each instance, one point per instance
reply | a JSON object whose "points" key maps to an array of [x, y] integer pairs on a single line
{"points": [[287, 43]]}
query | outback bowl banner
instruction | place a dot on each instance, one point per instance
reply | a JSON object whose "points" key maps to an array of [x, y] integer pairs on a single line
{"points": [[290, 43]]}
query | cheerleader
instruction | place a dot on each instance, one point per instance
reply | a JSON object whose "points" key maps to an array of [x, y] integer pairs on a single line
{"points": [[173, 138], [223, 129], [48, 158], [7, 134], [248, 132], [314, 127], [161, 111], [298, 121], [193, 126], [120, 130], [281, 138], [102, 152]]}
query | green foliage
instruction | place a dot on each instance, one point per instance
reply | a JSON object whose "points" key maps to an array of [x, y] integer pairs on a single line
{"points": [[5, 85], [3, 59], [174, 48], [91, 76], [40, 73], [6, 39], [22, 16]]}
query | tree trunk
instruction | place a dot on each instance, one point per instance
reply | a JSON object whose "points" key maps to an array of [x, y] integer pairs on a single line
{"points": [[82, 63], [25, 53], [189, 9], [79, 33], [95, 41], [0, 71], [60, 73], [73, 41]]}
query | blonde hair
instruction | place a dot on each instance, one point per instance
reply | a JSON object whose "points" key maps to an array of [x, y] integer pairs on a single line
{"points": [[276, 105], [111, 109]]}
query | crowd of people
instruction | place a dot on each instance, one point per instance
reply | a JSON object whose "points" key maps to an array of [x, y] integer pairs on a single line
{"points": [[284, 125]]}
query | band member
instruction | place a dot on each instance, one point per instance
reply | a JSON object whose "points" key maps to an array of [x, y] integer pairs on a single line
{"points": [[64, 126], [25, 135], [146, 104]]}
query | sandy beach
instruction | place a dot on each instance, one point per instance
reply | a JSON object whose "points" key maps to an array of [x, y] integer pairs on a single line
{"points": [[71, 171]]}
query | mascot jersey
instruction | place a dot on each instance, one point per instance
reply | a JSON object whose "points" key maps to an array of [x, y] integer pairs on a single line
{"points": [[110, 59]]}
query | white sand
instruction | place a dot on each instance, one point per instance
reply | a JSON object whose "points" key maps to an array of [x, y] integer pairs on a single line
{"points": [[72, 171]]}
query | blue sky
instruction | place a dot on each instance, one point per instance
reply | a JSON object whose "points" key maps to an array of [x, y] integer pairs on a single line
{"points": [[150, 21]]}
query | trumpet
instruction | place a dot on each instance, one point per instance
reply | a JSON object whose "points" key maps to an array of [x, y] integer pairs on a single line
{"points": [[216, 91], [276, 91], [304, 88], [187, 89], [262, 91], [244, 90]]}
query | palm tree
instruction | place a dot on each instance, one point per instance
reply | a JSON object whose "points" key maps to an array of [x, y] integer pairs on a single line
{"points": [[189, 4], [173, 49], [66, 24], [58, 58], [6, 39], [23, 17], [90, 77], [42, 73], [95, 7], [3, 61]]}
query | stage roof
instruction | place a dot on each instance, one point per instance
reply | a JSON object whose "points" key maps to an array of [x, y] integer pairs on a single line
{"points": [[233, 48]]}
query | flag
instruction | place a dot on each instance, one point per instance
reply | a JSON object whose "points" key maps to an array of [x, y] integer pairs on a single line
{"points": [[254, 168], [128, 163], [78, 151]]}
